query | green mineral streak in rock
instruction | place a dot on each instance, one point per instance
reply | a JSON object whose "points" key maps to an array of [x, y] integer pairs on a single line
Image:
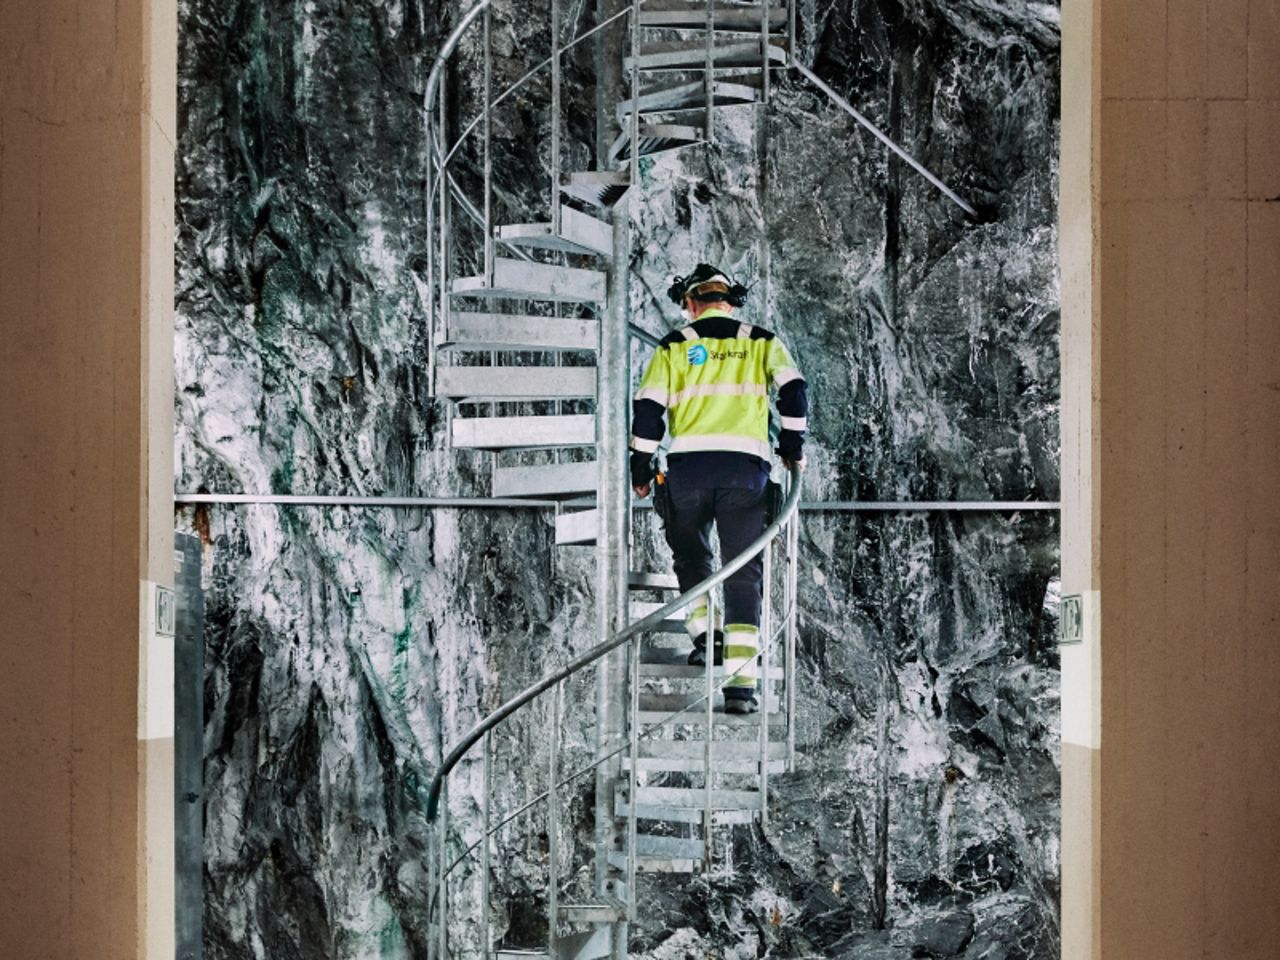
{"points": [[400, 661]]}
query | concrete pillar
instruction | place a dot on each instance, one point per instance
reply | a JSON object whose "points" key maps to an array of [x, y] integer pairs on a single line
{"points": [[1171, 453], [87, 127]]}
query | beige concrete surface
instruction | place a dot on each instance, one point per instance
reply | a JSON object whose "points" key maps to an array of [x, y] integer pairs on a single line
{"points": [[1184, 199], [85, 497]]}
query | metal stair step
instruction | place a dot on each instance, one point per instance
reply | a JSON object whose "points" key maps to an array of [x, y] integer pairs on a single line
{"points": [[648, 845], [642, 608], [698, 717], [589, 945], [579, 527], [687, 96], [655, 662], [692, 56], [516, 383], [599, 188], [580, 233], [682, 814], [696, 797], [644, 864], [494, 433], [671, 702], [512, 331], [546, 480], [655, 138], [605, 910], [722, 750], [649, 580], [691, 765], [535, 281], [728, 17]]}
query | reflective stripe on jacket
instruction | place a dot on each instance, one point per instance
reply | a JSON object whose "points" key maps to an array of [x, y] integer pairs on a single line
{"points": [[712, 379]]}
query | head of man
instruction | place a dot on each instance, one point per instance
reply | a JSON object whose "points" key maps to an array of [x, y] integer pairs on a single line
{"points": [[706, 288]]}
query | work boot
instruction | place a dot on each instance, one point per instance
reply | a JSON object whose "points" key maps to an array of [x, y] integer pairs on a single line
{"points": [[741, 705], [698, 658]]}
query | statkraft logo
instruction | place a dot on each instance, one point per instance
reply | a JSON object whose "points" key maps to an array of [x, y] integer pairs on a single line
{"points": [[697, 355]]}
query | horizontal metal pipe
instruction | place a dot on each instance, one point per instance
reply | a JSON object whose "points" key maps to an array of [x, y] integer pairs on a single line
{"points": [[813, 506]]}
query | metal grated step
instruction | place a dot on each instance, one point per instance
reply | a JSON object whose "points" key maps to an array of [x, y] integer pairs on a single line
{"points": [[516, 383], [666, 703], [513, 331], [687, 96], [645, 864], [546, 480], [535, 281], [580, 233], [494, 433], [655, 138], [684, 55], [579, 527], [728, 17], [691, 765], [697, 717], [599, 188], [649, 580], [605, 910]]}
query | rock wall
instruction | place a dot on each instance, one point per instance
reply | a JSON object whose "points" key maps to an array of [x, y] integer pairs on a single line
{"points": [[348, 647]]}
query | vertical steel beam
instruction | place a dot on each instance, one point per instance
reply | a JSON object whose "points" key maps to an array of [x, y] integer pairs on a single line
{"points": [[789, 666], [553, 823], [488, 143], [710, 81], [485, 840], [635, 96], [613, 377], [765, 651], [709, 648], [555, 116], [445, 218], [442, 881]]}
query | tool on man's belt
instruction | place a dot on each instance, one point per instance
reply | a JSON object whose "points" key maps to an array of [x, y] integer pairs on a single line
{"points": [[662, 497]]}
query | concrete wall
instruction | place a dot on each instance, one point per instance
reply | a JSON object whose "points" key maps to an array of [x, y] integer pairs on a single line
{"points": [[86, 170], [1171, 230]]}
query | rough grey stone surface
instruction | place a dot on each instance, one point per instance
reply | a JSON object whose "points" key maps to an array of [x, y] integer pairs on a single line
{"points": [[348, 648]]}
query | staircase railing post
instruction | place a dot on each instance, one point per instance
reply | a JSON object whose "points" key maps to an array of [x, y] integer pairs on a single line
{"points": [[431, 254], [442, 881], [553, 818], [791, 31], [634, 118], [708, 778], [789, 669], [488, 144], [445, 219], [710, 81], [764, 654], [485, 892], [555, 116], [633, 781]]}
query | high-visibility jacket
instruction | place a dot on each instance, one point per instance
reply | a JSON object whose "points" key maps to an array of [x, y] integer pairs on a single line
{"points": [[711, 379]]}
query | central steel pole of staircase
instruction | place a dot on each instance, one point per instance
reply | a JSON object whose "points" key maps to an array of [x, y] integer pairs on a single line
{"points": [[613, 377]]}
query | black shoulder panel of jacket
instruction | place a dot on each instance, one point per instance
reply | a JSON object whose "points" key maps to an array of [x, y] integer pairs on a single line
{"points": [[717, 328], [675, 336], [760, 333]]}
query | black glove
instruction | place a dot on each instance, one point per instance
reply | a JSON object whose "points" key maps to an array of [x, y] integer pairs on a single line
{"points": [[641, 468]]}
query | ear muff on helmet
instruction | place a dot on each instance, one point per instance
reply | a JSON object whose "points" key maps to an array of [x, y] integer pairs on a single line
{"points": [[705, 273]]}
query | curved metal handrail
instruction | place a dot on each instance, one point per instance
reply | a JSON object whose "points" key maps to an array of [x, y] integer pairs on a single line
{"points": [[600, 761], [586, 659]]}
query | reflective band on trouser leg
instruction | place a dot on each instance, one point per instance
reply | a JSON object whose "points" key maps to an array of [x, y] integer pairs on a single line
{"points": [[696, 621], [741, 647]]}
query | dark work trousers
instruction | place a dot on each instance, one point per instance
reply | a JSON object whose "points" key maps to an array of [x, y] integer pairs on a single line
{"points": [[739, 518]]}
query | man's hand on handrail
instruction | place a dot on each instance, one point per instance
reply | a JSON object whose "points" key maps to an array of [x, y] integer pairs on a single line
{"points": [[642, 491]]}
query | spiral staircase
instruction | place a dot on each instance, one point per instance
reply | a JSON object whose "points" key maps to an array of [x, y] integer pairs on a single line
{"points": [[532, 351]]}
